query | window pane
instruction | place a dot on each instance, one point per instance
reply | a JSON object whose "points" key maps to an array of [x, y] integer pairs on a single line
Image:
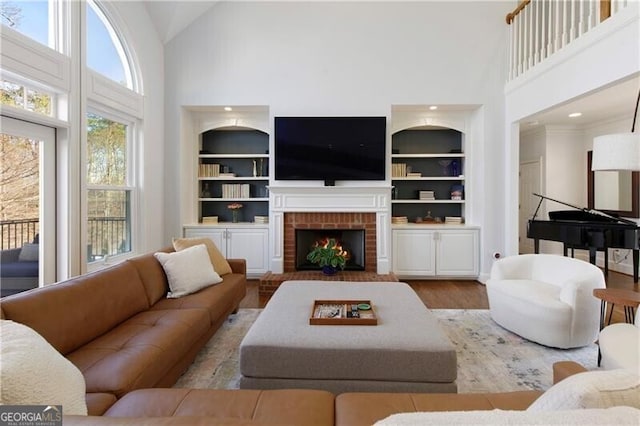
{"points": [[102, 48], [19, 213], [109, 227], [19, 190], [106, 151], [31, 18], [24, 97]]}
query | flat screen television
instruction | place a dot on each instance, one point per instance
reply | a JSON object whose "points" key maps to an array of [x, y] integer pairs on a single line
{"points": [[330, 148]]}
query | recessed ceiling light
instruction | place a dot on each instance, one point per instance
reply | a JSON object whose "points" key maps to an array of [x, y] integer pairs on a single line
{"points": [[433, 107], [228, 109], [575, 114]]}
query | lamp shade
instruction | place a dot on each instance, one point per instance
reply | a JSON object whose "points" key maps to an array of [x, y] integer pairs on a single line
{"points": [[620, 151]]}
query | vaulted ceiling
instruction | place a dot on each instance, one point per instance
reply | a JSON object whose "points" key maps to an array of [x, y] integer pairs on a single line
{"points": [[173, 16]]}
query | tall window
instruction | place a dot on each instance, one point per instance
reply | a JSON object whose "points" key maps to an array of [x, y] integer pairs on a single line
{"points": [[108, 188], [30, 18]]}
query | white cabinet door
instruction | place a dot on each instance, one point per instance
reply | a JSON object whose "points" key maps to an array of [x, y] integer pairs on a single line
{"points": [[251, 245], [457, 253], [413, 252], [217, 235]]}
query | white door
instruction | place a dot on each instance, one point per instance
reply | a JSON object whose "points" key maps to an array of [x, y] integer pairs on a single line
{"points": [[27, 201], [530, 183], [251, 245], [457, 253], [413, 252]]}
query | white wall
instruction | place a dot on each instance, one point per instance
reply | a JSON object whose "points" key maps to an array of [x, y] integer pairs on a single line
{"points": [[142, 35], [322, 58]]}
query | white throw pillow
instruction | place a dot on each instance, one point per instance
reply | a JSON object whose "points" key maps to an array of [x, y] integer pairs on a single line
{"points": [[188, 270], [591, 389], [32, 372], [29, 253]]}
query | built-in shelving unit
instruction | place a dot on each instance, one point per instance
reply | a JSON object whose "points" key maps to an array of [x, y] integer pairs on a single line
{"points": [[429, 166], [233, 167], [229, 163], [435, 156]]}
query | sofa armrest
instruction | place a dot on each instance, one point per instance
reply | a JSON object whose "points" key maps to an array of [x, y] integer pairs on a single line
{"points": [[564, 369], [238, 266]]}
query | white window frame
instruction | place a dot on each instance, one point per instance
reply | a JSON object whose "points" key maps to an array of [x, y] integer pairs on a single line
{"points": [[131, 183]]}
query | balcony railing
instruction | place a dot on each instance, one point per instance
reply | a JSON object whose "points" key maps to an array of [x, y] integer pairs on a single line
{"points": [[106, 236], [16, 233], [539, 28]]}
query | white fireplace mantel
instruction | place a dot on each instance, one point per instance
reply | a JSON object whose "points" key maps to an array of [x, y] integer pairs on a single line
{"points": [[372, 199]]}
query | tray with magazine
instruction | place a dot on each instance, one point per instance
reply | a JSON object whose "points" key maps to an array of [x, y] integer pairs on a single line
{"points": [[343, 312]]}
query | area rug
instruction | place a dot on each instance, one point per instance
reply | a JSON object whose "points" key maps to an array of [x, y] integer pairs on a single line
{"points": [[490, 358]]}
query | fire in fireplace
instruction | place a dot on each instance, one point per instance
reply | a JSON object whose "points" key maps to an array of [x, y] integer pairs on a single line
{"points": [[351, 240]]}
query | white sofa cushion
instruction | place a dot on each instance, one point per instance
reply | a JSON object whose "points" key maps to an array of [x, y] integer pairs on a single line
{"points": [[591, 389], [609, 416], [188, 270], [32, 372]]}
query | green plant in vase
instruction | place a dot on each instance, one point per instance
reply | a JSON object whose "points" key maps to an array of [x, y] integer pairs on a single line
{"points": [[329, 255]]}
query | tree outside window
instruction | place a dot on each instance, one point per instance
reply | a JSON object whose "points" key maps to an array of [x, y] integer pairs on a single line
{"points": [[109, 196]]}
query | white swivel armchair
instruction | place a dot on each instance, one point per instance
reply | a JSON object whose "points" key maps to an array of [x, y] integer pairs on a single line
{"points": [[546, 298]]}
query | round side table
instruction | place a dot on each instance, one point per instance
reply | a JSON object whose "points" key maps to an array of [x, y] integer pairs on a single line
{"points": [[617, 296]]}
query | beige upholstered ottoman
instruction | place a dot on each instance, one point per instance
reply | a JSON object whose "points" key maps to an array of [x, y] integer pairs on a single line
{"points": [[406, 352]]}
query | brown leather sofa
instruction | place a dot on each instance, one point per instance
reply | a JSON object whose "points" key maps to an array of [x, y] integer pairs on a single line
{"points": [[297, 407], [117, 326]]}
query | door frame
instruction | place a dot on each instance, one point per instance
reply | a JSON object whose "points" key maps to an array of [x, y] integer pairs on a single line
{"points": [[47, 182]]}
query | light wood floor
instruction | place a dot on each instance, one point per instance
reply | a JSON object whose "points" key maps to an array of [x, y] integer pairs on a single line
{"points": [[454, 294]]}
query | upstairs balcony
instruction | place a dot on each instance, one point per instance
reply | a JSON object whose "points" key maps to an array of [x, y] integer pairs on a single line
{"points": [[540, 29]]}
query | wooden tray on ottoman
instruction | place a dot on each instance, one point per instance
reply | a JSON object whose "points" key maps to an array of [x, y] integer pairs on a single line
{"points": [[338, 312]]}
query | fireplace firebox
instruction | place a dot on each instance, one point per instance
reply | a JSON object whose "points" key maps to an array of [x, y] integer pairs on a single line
{"points": [[351, 240]]}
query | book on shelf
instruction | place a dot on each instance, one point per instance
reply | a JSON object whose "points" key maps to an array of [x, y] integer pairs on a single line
{"points": [[209, 219], [209, 170], [453, 220], [227, 175], [414, 174], [235, 190], [261, 219], [426, 195], [398, 170], [399, 219]]}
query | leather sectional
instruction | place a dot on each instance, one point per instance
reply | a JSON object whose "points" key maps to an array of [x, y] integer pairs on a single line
{"points": [[132, 343]]}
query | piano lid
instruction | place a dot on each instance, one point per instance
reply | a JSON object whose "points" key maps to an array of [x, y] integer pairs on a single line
{"points": [[580, 214]]}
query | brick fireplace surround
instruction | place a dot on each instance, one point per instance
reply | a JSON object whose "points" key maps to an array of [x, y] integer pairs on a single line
{"points": [[297, 220]]}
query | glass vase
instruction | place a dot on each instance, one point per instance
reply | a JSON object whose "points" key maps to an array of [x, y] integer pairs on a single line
{"points": [[235, 215]]}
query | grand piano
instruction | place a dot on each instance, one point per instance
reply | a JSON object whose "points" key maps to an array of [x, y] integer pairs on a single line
{"points": [[586, 229]]}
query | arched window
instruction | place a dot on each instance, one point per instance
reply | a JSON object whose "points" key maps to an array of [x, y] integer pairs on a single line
{"points": [[105, 51]]}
